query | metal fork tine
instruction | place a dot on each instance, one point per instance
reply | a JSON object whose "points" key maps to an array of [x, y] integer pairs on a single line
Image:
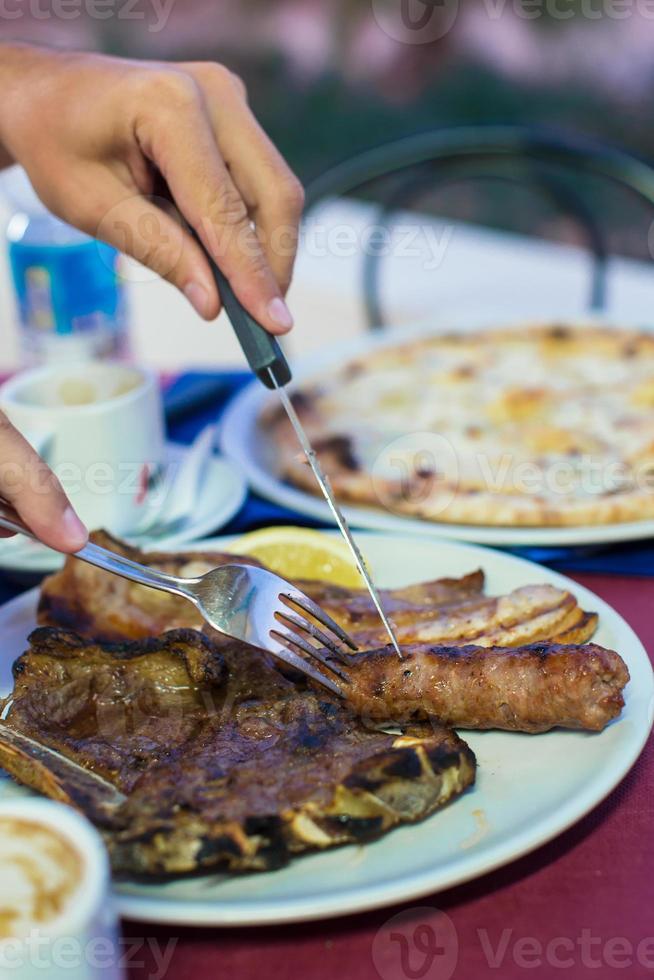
{"points": [[288, 620], [289, 656], [309, 606], [327, 641]]}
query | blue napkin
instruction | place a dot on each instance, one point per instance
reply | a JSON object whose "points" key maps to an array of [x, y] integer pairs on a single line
{"points": [[197, 398]]}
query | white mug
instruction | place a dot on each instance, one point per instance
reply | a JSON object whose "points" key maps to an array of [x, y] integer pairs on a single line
{"points": [[58, 918], [100, 428]]}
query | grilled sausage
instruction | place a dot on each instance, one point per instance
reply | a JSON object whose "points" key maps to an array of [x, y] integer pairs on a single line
{"points": [[528, 689]]}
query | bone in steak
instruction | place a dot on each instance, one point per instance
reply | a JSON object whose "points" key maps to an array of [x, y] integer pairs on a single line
{"points": [[225, 763]]}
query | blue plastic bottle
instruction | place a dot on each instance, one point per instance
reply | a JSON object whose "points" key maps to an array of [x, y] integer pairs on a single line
{"points": [[70, 299]]}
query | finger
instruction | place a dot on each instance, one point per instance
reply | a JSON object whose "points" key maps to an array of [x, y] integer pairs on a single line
{"points": [[271, 191], [33, 489], [145, 230], [181, 143]]}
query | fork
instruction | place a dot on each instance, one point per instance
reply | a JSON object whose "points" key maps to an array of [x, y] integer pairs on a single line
{"points": [[242, 601]]}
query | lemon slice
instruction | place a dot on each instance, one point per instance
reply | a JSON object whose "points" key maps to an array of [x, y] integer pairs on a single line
{"points": [[299, 552]]}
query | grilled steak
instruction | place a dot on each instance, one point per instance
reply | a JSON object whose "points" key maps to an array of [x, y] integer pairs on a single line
{"points": [[224, 762], [529, 689], [453, 611]]}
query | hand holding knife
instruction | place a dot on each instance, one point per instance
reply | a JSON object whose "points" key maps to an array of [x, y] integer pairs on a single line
{"points": [[266, 358]]}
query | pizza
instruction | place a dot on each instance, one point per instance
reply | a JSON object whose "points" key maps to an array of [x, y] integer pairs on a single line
{"points": [[543, 425]]}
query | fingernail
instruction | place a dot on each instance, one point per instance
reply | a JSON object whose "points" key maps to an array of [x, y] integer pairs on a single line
{"points": [[280, 313], [197, 296], [76, 533]]}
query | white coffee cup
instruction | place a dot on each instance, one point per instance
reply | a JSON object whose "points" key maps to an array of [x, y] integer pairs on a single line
{"points": [[99, 427], [57, 918]]}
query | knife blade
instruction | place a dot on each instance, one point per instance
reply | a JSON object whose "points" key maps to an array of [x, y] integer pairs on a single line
{"points": [[327, 492], [267, 360]]}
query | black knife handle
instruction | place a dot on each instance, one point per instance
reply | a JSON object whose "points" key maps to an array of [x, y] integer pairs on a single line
{"points": [[263, 353]]}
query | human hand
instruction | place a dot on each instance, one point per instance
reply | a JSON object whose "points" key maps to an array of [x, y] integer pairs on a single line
{"points": [[95, 134]]}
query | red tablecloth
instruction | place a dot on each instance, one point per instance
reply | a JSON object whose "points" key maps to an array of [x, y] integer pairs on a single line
{"points": [[580, 906]]}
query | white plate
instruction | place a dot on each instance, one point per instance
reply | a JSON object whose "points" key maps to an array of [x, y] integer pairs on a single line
{"points": [[529, 787], [243, 440], [223, 492]]}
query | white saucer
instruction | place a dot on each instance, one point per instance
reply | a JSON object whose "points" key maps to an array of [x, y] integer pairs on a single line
{"points": [[223, 493]]}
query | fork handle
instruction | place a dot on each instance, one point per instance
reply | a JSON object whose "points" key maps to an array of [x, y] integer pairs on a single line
{"points": [[110, 561], [107, 560]]}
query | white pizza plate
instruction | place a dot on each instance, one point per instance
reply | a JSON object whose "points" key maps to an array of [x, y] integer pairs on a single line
{"points": [[243, 439], [529, 787], [223, 492]]}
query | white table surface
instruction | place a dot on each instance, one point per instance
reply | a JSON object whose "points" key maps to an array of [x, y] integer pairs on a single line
{"points": [[468, 275]]}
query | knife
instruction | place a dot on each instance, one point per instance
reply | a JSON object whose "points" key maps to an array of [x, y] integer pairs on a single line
{"points": [[266, 358]]}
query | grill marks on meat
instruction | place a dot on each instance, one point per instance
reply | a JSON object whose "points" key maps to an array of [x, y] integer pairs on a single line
{"points": [[529, 689], [449, 610], [354, 610], [529, 613], [533, 612], [225, 763]]}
